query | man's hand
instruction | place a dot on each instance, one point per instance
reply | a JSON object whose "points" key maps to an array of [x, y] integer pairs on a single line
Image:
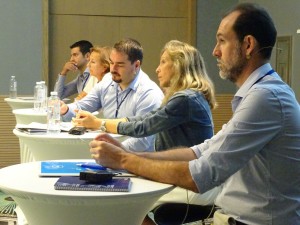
{"points": [[106, 153], [69, 66], [63, 108], [86, 119], [107, 138]]}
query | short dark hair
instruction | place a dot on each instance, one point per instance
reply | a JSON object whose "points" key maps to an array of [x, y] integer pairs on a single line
{"points": [[130, 47], [83, 45], [256, 21]]}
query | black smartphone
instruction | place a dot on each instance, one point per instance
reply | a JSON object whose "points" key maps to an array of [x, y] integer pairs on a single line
{"points": [[96, 176], [77, 130]]}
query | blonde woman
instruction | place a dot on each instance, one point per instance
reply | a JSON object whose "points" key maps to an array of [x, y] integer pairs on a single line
{"points": [[184, 118], [98, 66]]}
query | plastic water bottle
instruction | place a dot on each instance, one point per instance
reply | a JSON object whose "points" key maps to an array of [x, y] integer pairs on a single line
{"points": [[53, 114], [44, 96], [38, 96], [13, 87]]}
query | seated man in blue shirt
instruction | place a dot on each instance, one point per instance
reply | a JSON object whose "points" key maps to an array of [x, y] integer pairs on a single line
{"points": [[256, 155], [80, 56], [125, 91]]}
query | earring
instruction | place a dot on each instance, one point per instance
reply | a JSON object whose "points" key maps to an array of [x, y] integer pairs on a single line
{"points": [[248, 56]]}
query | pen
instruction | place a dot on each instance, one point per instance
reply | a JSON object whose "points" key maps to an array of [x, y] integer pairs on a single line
{"points": [[91, 166]]}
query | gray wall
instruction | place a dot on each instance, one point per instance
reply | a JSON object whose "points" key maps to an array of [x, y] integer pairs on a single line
{"points": [[209, 14], [20, 44]]}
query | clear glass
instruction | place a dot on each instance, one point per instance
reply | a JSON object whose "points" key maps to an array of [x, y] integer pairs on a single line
{"points": [[44, 96], [38, 96], [53, 114]]}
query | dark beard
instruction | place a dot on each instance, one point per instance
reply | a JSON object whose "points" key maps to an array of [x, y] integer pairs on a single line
{"points": [[114, 78], [235, 71]]}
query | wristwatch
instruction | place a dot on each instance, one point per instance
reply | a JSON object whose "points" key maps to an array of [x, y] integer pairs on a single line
{"points": [[103, 127]]}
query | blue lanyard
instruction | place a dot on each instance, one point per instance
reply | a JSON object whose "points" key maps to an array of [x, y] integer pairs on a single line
{"points": [[117, 99], [268, 73]]}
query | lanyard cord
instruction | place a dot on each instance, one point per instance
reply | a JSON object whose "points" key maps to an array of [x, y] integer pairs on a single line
{"points": [[268, 73], [118, 105]]}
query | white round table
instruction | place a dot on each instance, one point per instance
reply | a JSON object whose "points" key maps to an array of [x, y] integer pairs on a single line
{"points": [[41, 204], [20, 102], [29, 115], [39, 147], [24, 102]]}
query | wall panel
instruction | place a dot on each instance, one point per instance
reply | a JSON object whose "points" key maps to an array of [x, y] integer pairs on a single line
{"points": [[223, 112], [153, 39], [131, 8], [153, 23], [9, 143], [66, 29]]}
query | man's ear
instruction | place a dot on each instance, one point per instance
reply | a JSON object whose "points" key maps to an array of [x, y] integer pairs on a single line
{"points": [[87, 56], [250, 44], [137, 63]]}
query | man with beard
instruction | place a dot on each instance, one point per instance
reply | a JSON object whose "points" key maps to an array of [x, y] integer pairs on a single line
{"points": [[80, 55], [125, 91], [256, 155]]}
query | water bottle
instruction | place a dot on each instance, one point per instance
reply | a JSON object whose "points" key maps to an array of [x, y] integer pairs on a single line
{"points": [[53, 114], [13, 87], [37, 96], [44, 95]]}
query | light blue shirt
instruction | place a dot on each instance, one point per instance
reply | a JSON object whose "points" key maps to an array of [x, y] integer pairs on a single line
{"points": [[141, 96], [256, 155], [76, 86]]}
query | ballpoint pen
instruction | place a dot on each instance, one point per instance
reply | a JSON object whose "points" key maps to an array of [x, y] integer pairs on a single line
{"points": [[91, 166], [78, 108]]}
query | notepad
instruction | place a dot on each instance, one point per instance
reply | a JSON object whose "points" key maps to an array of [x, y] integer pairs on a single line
{"points": [[65, 168], [117, 184], [41, 128]]}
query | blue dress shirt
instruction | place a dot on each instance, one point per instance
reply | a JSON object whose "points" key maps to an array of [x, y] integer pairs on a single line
{"points": [[141, 96], [256, 155], [76, 86]]}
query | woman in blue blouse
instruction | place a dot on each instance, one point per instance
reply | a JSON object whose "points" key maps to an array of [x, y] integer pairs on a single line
{"points": [[184, 118]]}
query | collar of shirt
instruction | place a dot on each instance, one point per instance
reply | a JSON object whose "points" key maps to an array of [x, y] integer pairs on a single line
{"points": [[85, 74], [252, 79], [82, 80]]}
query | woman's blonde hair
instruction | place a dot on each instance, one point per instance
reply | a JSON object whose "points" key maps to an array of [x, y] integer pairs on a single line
{"points": [[104, 53], [190, 71]]}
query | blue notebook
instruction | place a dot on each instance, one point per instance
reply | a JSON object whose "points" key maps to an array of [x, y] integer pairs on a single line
{"points": [[120, 184], [67, 168]]}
